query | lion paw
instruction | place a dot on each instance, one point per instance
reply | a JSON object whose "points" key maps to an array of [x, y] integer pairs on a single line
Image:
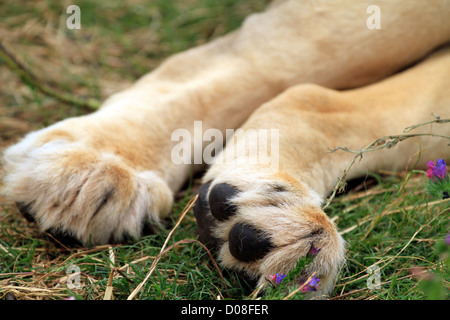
{"points": [[264, 226], [78, 192]]}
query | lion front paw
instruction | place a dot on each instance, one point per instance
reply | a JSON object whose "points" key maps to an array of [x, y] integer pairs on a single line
{"points": [[265, 226], [76, 191]]}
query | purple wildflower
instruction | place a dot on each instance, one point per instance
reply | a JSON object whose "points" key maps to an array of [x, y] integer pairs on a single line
{"points": [[314, 281], [277, 278], [437, 170], [311, 285], [447, 239]]}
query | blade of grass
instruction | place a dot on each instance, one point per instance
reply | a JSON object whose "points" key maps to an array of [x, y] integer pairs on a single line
{"points": [[183, 213]]}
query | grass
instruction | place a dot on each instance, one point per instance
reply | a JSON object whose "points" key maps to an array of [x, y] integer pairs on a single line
{"points": [[388, 219], [397, 227]]}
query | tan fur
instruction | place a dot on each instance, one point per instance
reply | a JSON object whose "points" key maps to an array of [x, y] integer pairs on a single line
{"points": [[122, 152], [312, 121]]}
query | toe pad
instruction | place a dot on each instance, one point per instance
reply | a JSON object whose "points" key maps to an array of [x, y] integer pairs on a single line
{"points": [[248, 244]]}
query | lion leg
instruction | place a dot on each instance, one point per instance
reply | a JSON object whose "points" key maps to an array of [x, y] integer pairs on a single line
{"points": [[264, 217]]}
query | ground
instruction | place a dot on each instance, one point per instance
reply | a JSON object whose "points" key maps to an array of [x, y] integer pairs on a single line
{"points": [[387, 219]]}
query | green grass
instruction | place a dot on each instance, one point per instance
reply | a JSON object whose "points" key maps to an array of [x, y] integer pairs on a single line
{"points": [[400, 230], [388, 220]]}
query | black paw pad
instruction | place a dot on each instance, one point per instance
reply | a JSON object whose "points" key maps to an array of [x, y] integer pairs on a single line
{"points": [[247, 244], [25, 211], [63, 238], [219, 203], [205, 222], [148, 228]]}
